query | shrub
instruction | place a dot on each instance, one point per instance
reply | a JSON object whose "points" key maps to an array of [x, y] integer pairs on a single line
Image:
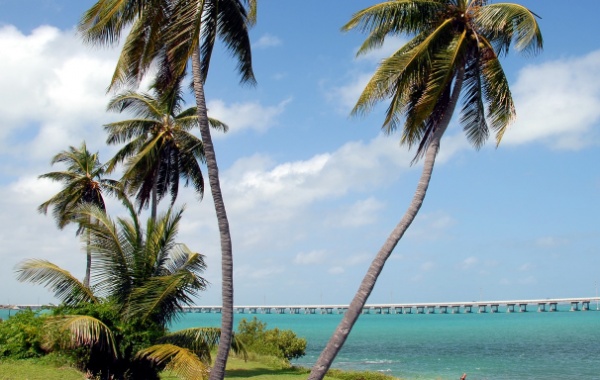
{"points": [[21, 335], [280, 343]]}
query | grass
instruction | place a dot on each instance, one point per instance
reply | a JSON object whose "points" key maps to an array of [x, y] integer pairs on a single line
{"points": [[37, 369], [256, 369]]}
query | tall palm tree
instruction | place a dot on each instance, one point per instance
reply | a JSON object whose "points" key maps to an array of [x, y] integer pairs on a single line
{"points": [[454, 54], [146, 277], [160, 148], [83, 183], [172, 32]]}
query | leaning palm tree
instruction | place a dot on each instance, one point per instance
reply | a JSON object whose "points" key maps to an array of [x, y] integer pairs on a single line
{"points": [[143, 277], [172, 32], [453, 55], [83, 183], [160, 148]]}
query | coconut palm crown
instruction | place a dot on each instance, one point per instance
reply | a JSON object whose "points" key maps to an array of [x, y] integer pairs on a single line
{"points": [[83, 183], [454, 41], [453, 54], [160, 148]]}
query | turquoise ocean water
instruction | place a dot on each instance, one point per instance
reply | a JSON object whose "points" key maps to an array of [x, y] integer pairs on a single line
{"points": [[559, 345], [532, 345]]}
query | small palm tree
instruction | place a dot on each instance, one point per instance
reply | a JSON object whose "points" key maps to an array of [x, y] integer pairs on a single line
{"points": [[142, 279], [160, 148], [454, 54], [172, 33], [83, 183]]}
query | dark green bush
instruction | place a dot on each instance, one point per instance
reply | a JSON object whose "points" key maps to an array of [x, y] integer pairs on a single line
{"points": [[21, 335], [280, 343]]}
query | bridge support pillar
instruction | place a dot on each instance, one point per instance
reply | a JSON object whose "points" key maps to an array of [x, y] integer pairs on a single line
{"points": [[482, 309], [468, 309], [585, 305], [444, 309], [522, 307], [574, 306], [541, 307], [494, 308], [553, 306], [455, 309]]}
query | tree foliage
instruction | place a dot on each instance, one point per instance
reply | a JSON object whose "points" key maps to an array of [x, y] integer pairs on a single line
{"points": [[280, 343]]}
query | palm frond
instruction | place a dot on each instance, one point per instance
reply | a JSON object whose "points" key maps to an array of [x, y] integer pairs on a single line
{"points": [[202, 340], [65, 286], [86, 331], [473, 117], [504, 23], [501, 109], [394, 17], [177, 359]]}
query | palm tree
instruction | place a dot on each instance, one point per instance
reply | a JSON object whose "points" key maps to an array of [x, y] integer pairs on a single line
{"points": [[82, 184], [143, 278], [454, 54], [159, 150], [172, 32]]}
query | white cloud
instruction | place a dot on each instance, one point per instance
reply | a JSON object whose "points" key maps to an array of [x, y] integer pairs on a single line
{"points": [[469, 262], [359, 214], [558, 102], [336, 270], [310, 258], [550, 242], [57, 87], [389, 47], [244, 116], [266, 41], [278, 192]]}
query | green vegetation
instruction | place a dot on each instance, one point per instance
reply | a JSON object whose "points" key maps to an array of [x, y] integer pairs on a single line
{"points": [[282, 344], [116, 329], [21, 336], [51, 368]]}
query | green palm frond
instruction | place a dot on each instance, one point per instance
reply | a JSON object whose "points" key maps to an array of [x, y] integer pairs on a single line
{"points": [[394, 17], [448, 37], [177, 359], [202, 340], [501, 109], [504, 23], [473, 112], [440, 78], [66, 288], [84, 330]]}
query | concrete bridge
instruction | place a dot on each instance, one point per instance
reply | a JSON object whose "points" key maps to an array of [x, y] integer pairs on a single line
{"points": [[510, 306]]}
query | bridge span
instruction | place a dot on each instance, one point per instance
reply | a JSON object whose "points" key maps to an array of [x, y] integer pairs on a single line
{"points": [[510, 306]]}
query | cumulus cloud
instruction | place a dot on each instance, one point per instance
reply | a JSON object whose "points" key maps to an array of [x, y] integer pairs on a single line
{"points": [[245, 116], [558, 103], [276, 192], [57, 89]]}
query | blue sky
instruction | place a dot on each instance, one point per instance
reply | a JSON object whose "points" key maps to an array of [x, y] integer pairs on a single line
{"points": [[311, 192]]}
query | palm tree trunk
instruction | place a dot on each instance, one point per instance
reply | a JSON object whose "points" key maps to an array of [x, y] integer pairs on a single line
{"points": [[218, 370], [88, 256], [368, 283], [154, 200]]}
